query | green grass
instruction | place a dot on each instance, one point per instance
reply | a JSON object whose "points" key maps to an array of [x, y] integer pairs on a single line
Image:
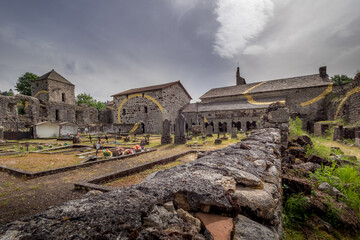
{"points": [[295, 210]]}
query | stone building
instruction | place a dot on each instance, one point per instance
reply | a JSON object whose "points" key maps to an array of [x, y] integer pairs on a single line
{"points": [[149, 106], [240, 106]]}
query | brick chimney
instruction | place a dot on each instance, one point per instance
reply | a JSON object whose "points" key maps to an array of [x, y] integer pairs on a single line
{"points": [[322, 72], [240, 80]]}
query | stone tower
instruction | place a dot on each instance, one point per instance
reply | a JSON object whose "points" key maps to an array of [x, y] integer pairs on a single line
{"points": [[239, 80]]}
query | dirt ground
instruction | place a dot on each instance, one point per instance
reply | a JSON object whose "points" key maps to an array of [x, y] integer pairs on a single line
{"points": [[24, 197]]}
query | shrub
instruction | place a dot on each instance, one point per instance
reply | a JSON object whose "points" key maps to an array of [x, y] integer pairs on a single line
{"points": [[296, 127], [295, 210]]}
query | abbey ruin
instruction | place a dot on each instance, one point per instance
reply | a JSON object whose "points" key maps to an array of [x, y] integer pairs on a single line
{"points": [[312, 98]]}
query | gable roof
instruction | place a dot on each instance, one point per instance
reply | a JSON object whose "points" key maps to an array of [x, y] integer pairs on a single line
{"points": [[151, 88], [269, 86], [53, 75]]}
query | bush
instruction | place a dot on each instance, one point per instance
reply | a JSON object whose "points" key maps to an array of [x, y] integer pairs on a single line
{"points": [[296, 127]]}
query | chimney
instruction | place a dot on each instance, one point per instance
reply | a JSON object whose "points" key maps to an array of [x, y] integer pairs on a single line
{"points": [[322, 72], [239, 80]]}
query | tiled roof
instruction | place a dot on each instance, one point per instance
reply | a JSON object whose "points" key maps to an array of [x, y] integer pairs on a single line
{"points": [[269, 86], [54, 76], [151, 88], [228, 105]]}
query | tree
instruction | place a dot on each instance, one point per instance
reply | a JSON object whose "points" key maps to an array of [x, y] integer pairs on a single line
{"points": [[341, 79], [7, 93], [90, 101], [23, 84]]}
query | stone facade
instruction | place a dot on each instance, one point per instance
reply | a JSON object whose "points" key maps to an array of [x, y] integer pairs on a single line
{"points": [[150, 106]]}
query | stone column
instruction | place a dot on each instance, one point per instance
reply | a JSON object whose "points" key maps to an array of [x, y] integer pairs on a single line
{"points": [[180, 130], [277, 116], [357, 138], [166, 132]]}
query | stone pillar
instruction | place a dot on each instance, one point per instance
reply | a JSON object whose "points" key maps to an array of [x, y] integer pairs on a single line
{"points": [[180, 130], [277, 116], [166, 132], [1, 133], [357, 138], [233, 133], [338, 133]]}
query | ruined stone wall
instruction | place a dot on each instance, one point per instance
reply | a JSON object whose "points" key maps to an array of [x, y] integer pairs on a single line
{"points": [[229, 117], [11, 119], [174, 99], [106, 116], [86, 115], [240, 183], [344, 102]]}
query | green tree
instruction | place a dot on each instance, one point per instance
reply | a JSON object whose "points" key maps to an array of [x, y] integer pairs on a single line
{"points": [[23, 84], [90, 101], [7, 93], [340, 79]]}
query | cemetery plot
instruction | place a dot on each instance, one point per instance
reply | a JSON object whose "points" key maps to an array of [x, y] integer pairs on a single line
{"points": [[139, 177]]}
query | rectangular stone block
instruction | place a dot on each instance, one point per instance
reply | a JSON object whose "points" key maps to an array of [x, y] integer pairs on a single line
{"points": [[1, 132]]}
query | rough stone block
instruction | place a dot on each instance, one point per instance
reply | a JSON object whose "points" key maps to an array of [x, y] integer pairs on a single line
{"points": [[281, 115], [220, 227]]}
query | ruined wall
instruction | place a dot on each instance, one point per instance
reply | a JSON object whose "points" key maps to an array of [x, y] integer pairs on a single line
{"points": [[241, 182], [344, 102], [86, 115], [14, 120]]}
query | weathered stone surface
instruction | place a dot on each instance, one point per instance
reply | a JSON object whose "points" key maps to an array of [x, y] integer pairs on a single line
{"points": [[166, 134], [319, 160], [304, 140], [315, 222], [307, 167], [280, 115], [247, 229], [218, 141], [187, 217], [212, 183], [219, 227], [327, 188], [180, 130]]}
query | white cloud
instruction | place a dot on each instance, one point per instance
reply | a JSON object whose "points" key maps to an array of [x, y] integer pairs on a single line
{"points": [[240, 21]]}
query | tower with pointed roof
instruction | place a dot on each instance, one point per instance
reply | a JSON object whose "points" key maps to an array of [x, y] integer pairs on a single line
{"points": [[54, 88]]}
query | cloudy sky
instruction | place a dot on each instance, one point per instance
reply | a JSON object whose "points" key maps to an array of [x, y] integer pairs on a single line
{"points": [[105, 47]]}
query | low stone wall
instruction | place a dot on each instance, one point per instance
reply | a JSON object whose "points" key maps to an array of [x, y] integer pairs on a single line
{"points": [[242, 183]]}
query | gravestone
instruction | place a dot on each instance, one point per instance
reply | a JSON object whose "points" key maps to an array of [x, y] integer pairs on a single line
{"points": [[209, 131], [180, 130], [233, 133], [76, 139], [166, 134], [1, 133], [357, 138]]}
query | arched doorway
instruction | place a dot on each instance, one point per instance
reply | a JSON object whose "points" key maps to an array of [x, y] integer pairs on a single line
{"points": [[238, 126]]}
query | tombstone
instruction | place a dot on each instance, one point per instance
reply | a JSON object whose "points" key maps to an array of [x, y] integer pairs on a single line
{"points": [[97, 146], [76, 139], [209, 131], [338, 133], [1, 133], [27, 146], [218, 141], [357, 138], [166, 136], [180, 130], [233, 133]]}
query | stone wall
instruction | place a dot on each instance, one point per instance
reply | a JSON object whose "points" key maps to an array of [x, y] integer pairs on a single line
{"points": [[241, 183], [56, 89], [40, 86]]}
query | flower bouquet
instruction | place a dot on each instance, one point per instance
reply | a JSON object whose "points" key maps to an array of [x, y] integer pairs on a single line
{"points": [[137, 148], [128, 152], [106, 153]]}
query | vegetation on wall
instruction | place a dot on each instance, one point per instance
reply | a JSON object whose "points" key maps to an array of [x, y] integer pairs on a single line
{"points": [[90, 101], [341, 79], [7, 93], [23, 84]]}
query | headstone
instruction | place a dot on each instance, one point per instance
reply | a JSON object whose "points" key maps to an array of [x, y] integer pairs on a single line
{"points": [[197, 129], [357, 138], [76, 139], [27, 146], [218, 141], [234, 134], [180, 130], [1, 133], [97, 146], [166, 136], [209, 131]]}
